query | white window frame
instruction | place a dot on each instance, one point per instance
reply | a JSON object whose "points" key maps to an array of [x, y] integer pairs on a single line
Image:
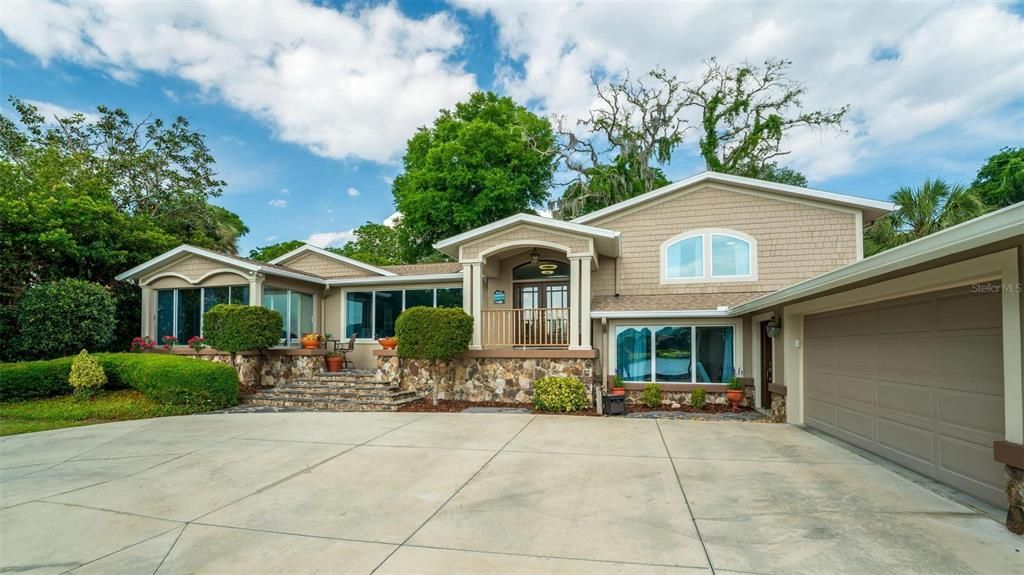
{"points": [[286, 341], [708, 275], [174, 307], [737, 351], [373, 306]]}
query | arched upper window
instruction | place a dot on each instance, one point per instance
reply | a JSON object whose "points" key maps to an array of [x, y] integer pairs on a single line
{"points": [[709, 255]]}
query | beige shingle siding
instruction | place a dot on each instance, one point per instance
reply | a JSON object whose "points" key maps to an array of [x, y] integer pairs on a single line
{"points": [[425, 269], [195, 267], [326, 267], [795, 241], [576, 244]]}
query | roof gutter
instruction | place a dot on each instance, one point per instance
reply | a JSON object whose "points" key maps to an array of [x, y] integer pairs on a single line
{"points": [[453, 277], [660, 314]]}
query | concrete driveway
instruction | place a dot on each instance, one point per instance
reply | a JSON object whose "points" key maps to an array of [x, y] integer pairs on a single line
{"points": [[471, 493]]}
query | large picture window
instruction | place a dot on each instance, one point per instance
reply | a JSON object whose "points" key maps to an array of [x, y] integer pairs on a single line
{"points": [[297, 310], [675, 353], [371, 314], [709, 255], [179, 312]]}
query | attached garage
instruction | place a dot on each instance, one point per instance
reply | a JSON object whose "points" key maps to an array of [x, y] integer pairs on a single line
{"points": [[917, 380]]}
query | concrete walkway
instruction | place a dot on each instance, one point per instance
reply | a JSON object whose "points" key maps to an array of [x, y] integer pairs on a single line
{"points": [[402, 493]]}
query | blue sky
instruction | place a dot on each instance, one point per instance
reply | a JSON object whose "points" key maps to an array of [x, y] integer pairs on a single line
{"points": [[307, 106]]}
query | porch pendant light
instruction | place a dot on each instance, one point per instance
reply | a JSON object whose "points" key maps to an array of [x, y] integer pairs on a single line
{"points": [[534, 256]]}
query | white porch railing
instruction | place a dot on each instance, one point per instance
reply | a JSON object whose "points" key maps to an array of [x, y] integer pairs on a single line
{"points": [[536, 327]]}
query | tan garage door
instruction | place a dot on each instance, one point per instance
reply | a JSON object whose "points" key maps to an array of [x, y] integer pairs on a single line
{"points": [[918, 381]]}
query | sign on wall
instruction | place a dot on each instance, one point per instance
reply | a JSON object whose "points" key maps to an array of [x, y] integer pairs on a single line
{"points": [[499, 296]]}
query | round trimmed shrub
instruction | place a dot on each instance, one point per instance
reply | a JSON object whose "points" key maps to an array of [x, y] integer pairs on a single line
{"points": [[433, 332], [651, 396], [235, 327], [61, 317], [559, 394], [87, 376]]}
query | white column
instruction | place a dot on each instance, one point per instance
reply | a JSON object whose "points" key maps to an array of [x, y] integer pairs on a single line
{"points": [[473, 274], [585, 321], [574, 303], [256, 289], [147, 312]]}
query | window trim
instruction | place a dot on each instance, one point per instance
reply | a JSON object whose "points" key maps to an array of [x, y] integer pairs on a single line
{"points": [[174, 307], [654, 326], [708, 275], [373, 306]]}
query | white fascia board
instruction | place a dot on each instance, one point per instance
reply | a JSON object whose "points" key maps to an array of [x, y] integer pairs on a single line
{"points": [[184, 248], [287, 274], [702, 177], [309, 248], [425, 278], [526, 219], [990, 228], [660, 314]]}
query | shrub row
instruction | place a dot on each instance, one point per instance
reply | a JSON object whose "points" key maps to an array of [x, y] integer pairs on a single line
{"points": [[433, 332], [163, 378]]}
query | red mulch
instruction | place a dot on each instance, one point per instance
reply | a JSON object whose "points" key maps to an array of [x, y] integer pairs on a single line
{"points": [[456, 406]]}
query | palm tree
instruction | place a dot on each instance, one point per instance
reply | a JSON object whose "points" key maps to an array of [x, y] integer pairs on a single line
{"points": [[935, 205]]}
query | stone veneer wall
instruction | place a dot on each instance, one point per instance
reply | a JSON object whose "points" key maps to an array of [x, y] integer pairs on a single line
{"points": [[633, 397], [778, 408], [268, 369], [1015, 499], [469, 378]]}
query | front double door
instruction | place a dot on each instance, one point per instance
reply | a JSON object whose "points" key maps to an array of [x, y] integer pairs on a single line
{"points": [[542, 313]]}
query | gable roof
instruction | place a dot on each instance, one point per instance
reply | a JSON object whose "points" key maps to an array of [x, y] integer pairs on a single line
{"points": [[873, 209], [603, 238], [306, 248], [185, 250]]}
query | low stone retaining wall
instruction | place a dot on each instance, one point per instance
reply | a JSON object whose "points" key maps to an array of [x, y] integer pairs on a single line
{"points": [[486, 375], [264, 369], [633, 397]]}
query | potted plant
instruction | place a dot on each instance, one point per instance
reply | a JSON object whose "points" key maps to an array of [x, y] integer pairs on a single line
{"points": [[311, 341], [142, 344], [734, 392], [618, 387], [334, 361], [388, 342], [197, 343]]}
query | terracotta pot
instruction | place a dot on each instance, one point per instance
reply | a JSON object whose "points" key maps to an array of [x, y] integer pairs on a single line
{"points": [[310, 341], [618, 391], [333, 362], [388, 342], [735, 396]]}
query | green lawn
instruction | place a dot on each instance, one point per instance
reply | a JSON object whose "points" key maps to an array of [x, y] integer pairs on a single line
{"points": [[69, 411]]}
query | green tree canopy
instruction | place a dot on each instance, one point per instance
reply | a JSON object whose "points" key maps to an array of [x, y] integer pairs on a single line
{"points": [[931, 207], [274, 251], [488, 159], [1000, 182], [163, 172], [377, 244]]}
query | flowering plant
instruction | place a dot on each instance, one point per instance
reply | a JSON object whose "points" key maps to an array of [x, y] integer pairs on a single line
{"points": [[169, 341], [197, 343], [142, 344]]}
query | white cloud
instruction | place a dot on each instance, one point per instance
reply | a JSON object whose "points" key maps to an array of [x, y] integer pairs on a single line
{"points": [[278, 203], [392, 220], [269, 238], [285, 191], [327, 239], [352, 192], [908, 69], [171, 94], [51, 111], [344, 83]]}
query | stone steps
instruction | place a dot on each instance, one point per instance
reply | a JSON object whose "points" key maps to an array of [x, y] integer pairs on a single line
{"points": [[325, 404], [350, 390]]}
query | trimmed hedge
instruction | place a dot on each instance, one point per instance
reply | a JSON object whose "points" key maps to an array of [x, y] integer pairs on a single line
{"points": [[433, 332], [62, 317], [560, 394], [163, 378], [232, 328]]}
